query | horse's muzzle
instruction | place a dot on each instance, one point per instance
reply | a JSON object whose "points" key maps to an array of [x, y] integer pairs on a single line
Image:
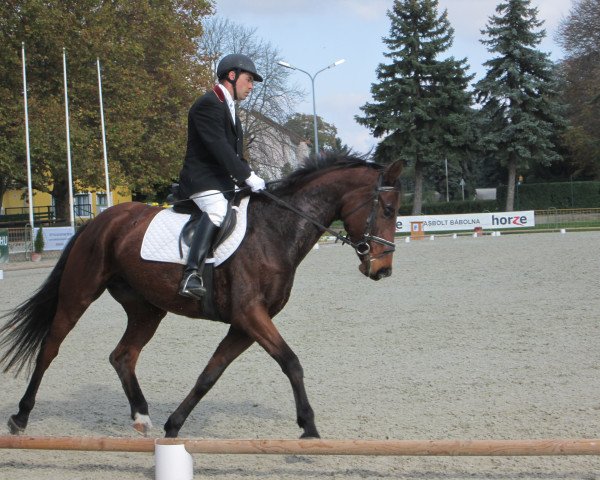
{"points": [[375, 274], [381, 273]]}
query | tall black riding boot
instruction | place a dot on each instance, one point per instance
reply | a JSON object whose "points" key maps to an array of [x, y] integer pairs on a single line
{"points": [[191, 286]]}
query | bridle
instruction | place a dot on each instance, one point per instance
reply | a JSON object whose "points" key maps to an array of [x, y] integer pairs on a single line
{"points": [[361, 247]]}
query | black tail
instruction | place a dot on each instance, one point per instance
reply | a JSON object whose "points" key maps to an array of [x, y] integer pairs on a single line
{"points": [[30, 322]]}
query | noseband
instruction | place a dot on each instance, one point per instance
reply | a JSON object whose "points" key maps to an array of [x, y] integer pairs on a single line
{"points": [[362, 247]]}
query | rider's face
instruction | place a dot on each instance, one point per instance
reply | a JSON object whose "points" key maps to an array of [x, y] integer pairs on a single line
{"points": [[244, 85]]}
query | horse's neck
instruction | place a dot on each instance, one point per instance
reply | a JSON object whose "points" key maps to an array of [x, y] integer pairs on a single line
{"points": [[321, 201], [288, 236], [300, 234]]}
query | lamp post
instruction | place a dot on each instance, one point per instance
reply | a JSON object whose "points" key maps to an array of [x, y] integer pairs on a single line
{"points": [[312, 79]]}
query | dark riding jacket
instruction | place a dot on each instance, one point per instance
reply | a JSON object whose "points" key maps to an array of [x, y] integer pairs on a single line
{"points": [[213, 160]]}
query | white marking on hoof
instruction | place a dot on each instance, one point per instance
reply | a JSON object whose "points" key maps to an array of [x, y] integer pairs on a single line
{"points": [[142, 423]]}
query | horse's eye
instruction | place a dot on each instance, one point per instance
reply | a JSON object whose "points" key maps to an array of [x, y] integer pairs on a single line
{"points": [[388, 211]]}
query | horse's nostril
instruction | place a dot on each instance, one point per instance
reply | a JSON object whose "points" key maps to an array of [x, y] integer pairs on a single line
{"points": [[382, 273]]}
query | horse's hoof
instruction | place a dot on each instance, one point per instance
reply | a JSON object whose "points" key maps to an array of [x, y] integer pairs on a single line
{"points": [[13, 427], [170, 430], [309, 436], [142, 424]]}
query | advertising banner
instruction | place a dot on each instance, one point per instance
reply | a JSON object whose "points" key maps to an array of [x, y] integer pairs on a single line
{"points": [[55, 238], [468, 221], [3, 245]]}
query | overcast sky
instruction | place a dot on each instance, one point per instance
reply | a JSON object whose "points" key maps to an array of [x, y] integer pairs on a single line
{"points": [[312, 34]]}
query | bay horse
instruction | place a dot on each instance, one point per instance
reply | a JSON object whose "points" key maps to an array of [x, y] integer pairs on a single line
{"points": [[250, 288]]}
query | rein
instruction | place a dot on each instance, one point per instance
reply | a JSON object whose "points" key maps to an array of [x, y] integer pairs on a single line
{"points": [[362, 247], [307, 217]]}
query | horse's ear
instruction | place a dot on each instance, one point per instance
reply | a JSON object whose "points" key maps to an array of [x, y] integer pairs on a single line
{"points": [[392, 172]]}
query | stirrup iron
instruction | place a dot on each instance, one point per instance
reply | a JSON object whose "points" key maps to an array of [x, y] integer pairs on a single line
{"points": [[196, 293]]}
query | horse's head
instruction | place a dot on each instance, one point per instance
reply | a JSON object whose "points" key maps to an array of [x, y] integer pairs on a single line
{"points": [[369, 216]]}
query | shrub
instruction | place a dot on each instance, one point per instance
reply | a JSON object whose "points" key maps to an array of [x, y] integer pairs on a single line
{"points": [[38, 244]]}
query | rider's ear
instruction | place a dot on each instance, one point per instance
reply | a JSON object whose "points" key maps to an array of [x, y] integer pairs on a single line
{"points": [[392, 172]]}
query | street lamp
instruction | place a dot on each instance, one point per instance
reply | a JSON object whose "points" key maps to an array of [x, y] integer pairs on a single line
{"points": [[312, 79]]}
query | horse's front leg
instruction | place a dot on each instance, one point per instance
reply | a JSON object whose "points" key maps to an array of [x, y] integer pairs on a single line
{"points": [[258, 325], [231, 347]]}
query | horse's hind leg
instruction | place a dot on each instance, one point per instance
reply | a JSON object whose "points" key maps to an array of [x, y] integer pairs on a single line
{"points": [[66, 317], [142, 321]]}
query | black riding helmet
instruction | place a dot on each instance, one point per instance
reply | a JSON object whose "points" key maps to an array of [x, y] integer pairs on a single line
{"points": [[238, 63]]}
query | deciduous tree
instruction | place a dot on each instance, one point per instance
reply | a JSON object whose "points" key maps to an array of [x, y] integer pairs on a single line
{"points": [[150, 77], [303, 125], [579, 35]]}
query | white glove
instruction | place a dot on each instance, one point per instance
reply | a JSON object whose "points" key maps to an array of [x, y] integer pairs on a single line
{"points": [[255, 183]]}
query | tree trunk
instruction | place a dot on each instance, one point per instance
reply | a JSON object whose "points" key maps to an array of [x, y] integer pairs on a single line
{"points": [[510, 190], [60, 193], [418, 195], [4, 181]]}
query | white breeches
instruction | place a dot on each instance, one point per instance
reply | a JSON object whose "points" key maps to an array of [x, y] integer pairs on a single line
{"points": [[213, 203]]}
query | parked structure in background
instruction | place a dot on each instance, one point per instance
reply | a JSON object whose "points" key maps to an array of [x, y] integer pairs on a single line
{"points": [[485, 194], [86, 205], [273, 150]]}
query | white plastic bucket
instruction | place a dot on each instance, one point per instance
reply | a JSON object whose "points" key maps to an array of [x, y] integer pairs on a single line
{"points": [[173, 462]]}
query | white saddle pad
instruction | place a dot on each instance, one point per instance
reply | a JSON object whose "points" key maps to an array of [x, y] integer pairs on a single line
{"points": [[161, 240]]}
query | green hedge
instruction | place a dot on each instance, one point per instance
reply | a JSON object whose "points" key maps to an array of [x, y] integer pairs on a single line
{"points": [[531, 196], [542, 196], [447, 208]]}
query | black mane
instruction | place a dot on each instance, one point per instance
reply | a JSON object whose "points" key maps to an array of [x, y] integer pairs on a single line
{"points": [[315, 166]]}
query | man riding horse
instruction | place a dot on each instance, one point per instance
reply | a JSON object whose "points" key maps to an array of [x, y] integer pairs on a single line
{"points": [[214, 164]]}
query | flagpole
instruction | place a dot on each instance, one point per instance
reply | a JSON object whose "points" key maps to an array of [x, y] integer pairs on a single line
{"points": [[70, 174], [27, 150], [108, 192]]}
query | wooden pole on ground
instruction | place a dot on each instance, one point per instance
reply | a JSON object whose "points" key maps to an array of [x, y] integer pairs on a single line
{"points": [[532, 447]]}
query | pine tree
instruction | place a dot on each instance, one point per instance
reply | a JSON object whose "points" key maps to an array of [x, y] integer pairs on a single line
{"points": [[518, 93], [420, 101]]}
